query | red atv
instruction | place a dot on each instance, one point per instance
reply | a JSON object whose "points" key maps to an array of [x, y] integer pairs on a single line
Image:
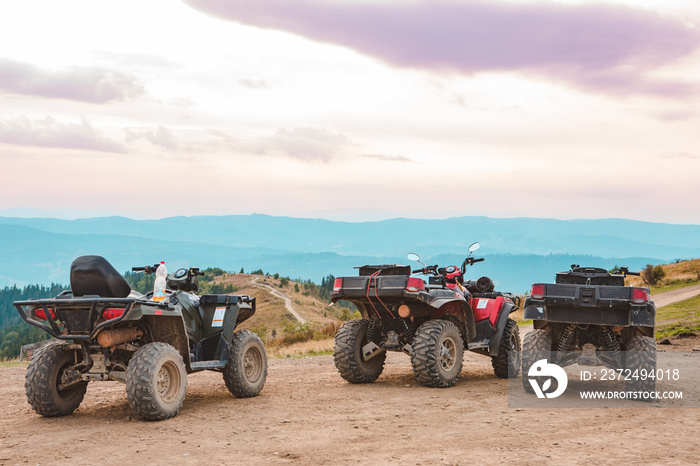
{"points": [[433, 322]]}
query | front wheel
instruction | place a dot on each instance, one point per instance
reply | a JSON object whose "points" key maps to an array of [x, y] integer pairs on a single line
{"points": [[506, 364], [43, 378], [437, 355], [246, 371], [156, 382], [347, 354]]}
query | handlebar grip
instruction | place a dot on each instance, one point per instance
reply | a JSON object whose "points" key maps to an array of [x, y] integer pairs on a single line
{"points": [[138, 269], [481, 259], [417, 271], [636, 274]]}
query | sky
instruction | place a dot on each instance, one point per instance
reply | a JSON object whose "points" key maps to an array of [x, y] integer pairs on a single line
{"points": [[352, 109]]}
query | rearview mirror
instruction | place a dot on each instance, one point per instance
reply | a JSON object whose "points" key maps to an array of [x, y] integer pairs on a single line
{"points": [[474, 247], [412, 256]]}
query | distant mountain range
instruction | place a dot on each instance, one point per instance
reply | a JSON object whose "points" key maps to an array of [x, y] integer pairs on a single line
{"points": [[518, 250]]}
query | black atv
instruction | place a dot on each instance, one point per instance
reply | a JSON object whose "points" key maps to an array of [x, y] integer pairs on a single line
{"points": [[433, 322], [106, 331], [589, 317]]}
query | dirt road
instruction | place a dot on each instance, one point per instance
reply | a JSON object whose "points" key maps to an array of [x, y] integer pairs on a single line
{"points": [[670, 297], [278, 294], [307, 414]]}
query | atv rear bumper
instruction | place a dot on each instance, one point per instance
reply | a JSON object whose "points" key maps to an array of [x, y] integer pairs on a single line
{"points": [[643, 315]]}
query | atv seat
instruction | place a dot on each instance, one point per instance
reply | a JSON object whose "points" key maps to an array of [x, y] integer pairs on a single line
{"points": [[94, 276]]}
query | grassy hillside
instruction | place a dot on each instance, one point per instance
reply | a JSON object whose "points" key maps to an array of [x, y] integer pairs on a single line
{"points": [[284, 336], [679, 274], [271, 311], [679, 319]]}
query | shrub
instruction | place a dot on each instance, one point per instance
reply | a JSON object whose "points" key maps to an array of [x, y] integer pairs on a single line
{"points": [[653, 274], [261, 331]]}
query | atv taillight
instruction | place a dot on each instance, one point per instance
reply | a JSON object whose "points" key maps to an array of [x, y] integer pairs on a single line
{"points": [[41, 314], [337, 284], [639, 296], [415, 284], [112, 313], [537, 291]]}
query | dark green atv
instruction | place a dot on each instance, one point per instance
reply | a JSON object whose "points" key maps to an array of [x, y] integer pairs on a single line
{"points": [[103, 330]]}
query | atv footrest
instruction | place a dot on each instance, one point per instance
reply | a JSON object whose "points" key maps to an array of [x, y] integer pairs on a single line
{"points": [[207, 365]]}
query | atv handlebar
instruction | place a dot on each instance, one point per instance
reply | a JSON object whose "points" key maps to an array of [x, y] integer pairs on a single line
{"points": [[429, 269], [147, 269], [152, 269], [472, 260], [625, 271]]}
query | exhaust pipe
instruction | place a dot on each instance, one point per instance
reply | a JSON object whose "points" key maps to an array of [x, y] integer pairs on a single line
{"points": [[108, 338]]}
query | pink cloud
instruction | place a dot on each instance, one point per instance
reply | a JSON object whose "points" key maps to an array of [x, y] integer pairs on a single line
{"points": [[597, 47], [97, 85], [52, 133]]}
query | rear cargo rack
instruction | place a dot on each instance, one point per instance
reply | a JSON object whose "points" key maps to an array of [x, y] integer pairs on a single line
{"points": [[76, 315]]}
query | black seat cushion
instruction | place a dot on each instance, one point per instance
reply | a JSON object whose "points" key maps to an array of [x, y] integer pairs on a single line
{"points": [[93, 275]]}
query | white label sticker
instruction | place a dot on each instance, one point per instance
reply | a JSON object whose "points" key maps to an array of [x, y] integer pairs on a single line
{"points": [[218, 320], [482, 304]]}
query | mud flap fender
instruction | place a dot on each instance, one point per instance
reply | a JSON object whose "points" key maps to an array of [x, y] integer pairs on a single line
{"points": [[506, 310]]}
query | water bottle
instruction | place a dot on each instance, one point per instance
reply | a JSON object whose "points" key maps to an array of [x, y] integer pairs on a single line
{"points": [[159, 285]]}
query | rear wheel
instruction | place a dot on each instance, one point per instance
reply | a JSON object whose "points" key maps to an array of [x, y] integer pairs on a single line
{"points": [[506, 364], [537, 345], [641, 362], [156, 382], [246, 371], [43, 378], [437, 353], [347, 354]]}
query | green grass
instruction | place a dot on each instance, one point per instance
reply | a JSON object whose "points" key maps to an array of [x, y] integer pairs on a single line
{"points": [[686, 315], [305, 354], [14, 363], [674, 285]]}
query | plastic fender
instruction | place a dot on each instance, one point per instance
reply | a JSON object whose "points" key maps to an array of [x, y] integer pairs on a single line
{"points": [[487, 308], [533, 311], [171, 330], [141, 309], [461, 311], [500, 327]]}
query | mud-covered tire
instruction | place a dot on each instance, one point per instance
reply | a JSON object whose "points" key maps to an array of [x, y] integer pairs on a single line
{"points": [[246, 371], [537, 345], [506, 364], [347, 354], [641, 358], [42, 378], [437, 354], [156, 382]]}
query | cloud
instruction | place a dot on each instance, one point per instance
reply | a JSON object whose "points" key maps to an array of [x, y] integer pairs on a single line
{"points": [[96, 85], [51, 133], [254, 83], [596, 47], [680, 155], [303, 144], [161, 136], [388, 158], [307, 144]]}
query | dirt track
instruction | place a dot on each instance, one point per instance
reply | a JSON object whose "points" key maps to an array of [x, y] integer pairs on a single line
{"points": [[308, 415], [283, 296], [670, 297]]}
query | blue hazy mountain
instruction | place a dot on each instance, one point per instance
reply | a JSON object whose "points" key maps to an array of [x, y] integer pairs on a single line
{"points": [[518, 250]]}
